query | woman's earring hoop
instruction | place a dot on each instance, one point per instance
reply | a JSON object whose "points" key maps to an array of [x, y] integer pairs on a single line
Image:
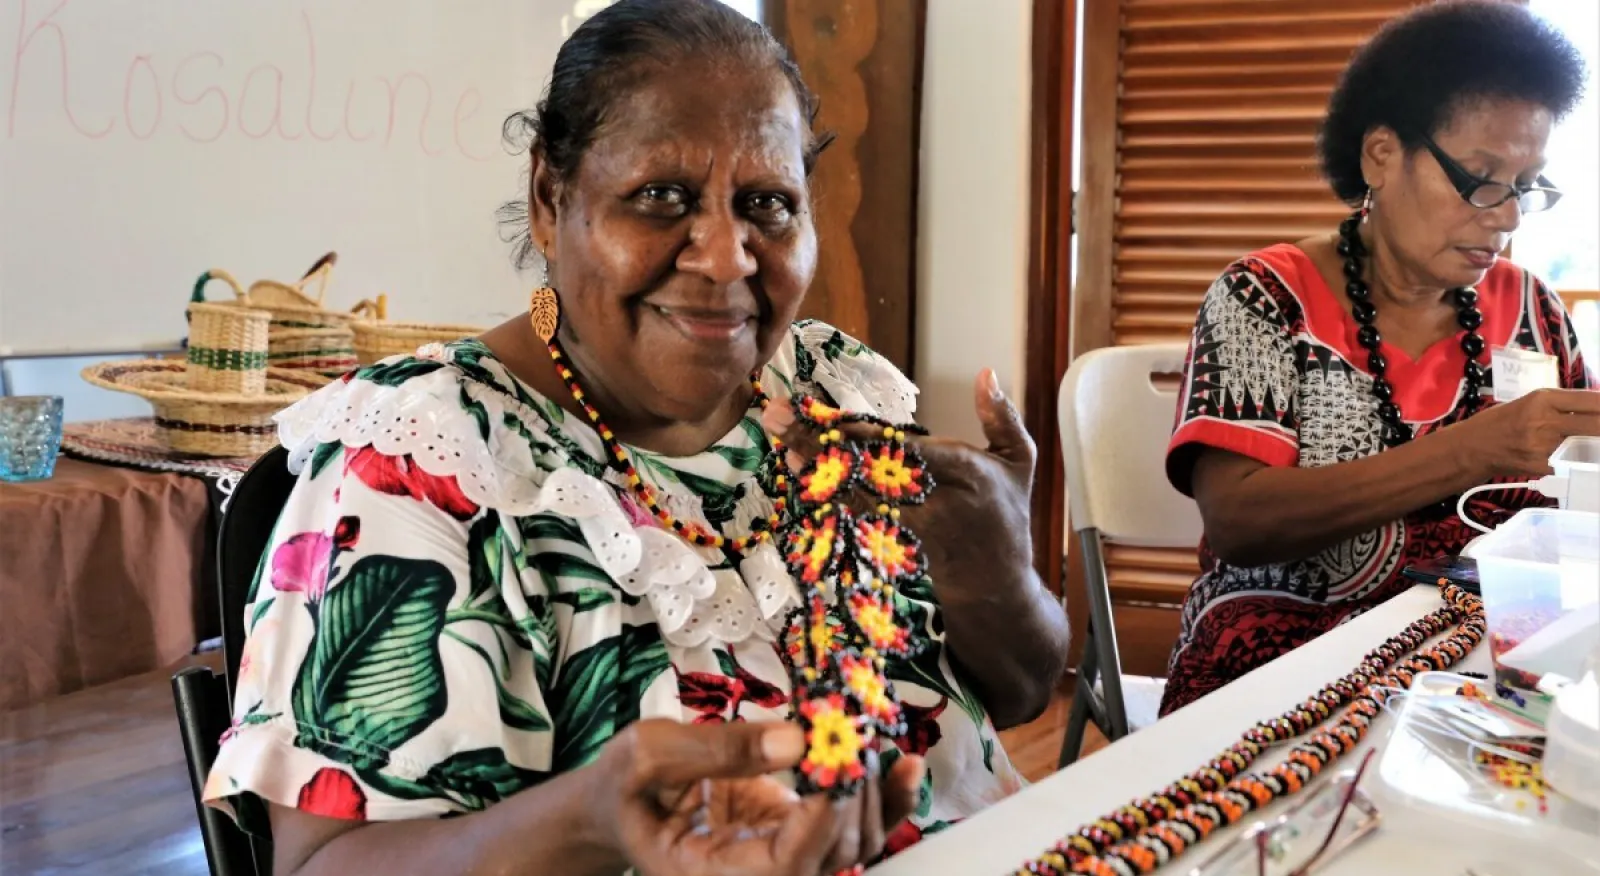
{"points": [[544, 313]]}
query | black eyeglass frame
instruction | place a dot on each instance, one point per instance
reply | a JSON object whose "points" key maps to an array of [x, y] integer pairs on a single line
{"points": [[1468, 184]]}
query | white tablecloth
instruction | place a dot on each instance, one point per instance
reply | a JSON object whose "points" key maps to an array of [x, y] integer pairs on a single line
{"points": [[996, 841]]}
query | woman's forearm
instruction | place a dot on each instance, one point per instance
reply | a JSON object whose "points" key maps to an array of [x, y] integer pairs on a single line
{"points": [[1009, 635], [544, 829], [1256, 514]]}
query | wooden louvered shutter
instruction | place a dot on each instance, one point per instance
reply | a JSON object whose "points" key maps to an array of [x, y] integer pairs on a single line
{"points": [[1199, 124]]}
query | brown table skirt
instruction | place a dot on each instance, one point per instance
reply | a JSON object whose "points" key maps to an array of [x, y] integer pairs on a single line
{"points": [[99, 573]]}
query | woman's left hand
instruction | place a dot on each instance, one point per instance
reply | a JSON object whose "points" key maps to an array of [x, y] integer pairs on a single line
{"points": [[1006, 629]]}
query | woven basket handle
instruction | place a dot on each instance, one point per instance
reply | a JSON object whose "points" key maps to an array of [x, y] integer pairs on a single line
{"points": [[318, 273], [215, 274], [378, 310]]}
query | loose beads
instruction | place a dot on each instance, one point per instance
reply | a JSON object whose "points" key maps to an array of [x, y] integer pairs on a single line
{"points": [[1222, 792], [1516, 775], [693, 533]]}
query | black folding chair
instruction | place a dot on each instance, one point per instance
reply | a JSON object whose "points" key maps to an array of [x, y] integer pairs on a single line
{"points": [[203, 699]]}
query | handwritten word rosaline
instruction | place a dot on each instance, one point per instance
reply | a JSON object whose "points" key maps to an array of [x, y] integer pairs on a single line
{"points": [[202, 97]]}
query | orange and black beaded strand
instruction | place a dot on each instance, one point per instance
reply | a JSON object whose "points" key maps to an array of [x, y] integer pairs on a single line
{"points": [[847, 567], [760, 530], [1149, 832], [1127, 821]]}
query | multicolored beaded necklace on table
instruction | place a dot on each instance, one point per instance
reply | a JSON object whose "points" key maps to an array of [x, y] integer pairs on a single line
{"points": [[845, 565], [1148, 832]]}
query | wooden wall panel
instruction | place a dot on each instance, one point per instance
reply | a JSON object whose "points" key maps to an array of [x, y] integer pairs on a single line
{"points": [[863, 58], [1050, 272]]}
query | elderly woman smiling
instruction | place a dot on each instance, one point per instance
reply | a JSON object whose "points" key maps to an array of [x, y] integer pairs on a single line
{"points": [[454, 618], [1339, 394]]}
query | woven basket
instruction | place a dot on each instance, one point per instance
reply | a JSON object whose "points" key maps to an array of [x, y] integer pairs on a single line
{"points": [[227, 348], [205, 424], [292, 307], [377, 339], [329, 352]]}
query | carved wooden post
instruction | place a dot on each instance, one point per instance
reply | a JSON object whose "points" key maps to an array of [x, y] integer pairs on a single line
{"points": [[863, 58]]}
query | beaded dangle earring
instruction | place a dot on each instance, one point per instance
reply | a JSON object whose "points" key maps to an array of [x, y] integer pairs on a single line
{"points": [[1366, 206], [544, 307]]}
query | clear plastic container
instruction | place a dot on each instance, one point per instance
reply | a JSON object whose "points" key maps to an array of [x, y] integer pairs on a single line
{"points": [[1540, 573], [1578, 460], [1428, 785]]}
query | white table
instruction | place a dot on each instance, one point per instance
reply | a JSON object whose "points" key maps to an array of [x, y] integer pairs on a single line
{"points": [[997, 840]]}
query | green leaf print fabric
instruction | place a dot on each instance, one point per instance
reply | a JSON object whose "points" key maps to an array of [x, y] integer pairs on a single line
{"points": [[462, 600]]}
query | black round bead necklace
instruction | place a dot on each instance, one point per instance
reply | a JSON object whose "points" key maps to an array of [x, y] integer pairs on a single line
{"points": [[1395, 430]]}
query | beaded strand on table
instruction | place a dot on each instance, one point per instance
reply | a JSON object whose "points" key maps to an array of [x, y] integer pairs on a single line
{"points": [[1147, 833]]}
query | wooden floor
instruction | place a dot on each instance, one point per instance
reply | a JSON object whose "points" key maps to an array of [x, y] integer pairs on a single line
{"points": [[94, 782]]}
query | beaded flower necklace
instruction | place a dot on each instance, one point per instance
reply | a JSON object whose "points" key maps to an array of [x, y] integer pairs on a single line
{"points": [[1150, 831], [760, 530], [846, 567]]}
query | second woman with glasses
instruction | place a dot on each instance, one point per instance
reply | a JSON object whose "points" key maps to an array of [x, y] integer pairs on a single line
{"points": [[1339, 392]]}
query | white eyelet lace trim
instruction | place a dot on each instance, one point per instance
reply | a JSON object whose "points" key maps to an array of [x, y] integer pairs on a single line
{"points": [[424, 419]]}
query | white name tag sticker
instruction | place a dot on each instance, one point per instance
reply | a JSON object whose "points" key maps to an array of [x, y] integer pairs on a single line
{"points": [[1518, 372]]}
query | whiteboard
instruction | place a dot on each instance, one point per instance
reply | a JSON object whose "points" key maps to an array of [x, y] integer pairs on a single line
{"points": [[145, 141]]}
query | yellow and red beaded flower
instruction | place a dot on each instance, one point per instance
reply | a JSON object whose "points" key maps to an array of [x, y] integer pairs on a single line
{"points": [[835, 759], [864, 679], [830, 473], [889, 549], [874, 616], [895, 473], [811, 546]]}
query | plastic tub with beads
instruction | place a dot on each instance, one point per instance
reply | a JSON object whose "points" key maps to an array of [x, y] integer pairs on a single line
{"points": [[1540, 573], [1445, 788]]}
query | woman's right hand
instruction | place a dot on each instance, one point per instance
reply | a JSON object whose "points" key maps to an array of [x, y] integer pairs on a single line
{"points": [[680, 799], [1515, 439]]}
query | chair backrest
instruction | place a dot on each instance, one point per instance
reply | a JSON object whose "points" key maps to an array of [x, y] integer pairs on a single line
{"points": [[201, 699], [253, 511], [1115, 424]]}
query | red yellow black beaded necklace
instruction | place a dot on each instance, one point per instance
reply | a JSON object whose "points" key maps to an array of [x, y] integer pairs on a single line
{"points": [[695, 534], [846, 567]]}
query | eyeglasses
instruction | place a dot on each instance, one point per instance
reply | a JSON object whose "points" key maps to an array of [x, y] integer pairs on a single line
{"points": [[1307, 836], [1487, 194]]}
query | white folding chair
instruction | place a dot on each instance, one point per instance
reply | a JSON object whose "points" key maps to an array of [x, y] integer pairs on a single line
{"points": [[1115, 424]]}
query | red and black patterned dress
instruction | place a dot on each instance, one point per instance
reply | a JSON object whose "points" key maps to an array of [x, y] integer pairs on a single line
{"points": [[1275, 374]]}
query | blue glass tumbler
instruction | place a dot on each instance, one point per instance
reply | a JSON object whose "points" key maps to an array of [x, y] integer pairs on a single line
{"points": [[30, 437]]}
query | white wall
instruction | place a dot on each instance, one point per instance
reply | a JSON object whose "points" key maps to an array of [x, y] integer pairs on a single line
{"points": [[972, 247]]}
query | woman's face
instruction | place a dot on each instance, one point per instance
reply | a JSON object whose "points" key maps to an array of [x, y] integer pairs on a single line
{"points": [[1444, 241], [683, 245]]}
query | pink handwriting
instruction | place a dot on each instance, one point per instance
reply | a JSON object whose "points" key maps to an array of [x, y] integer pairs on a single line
{"points": [[204, 99]]}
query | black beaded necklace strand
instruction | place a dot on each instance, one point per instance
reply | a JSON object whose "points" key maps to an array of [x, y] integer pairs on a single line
{"points": [[1395, 430]]}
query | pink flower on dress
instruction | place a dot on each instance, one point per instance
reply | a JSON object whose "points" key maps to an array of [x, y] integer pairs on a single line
{"points": [[300, 564], [638, 518]]}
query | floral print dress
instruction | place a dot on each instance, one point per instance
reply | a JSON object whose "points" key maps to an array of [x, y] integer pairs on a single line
{"points": [[461, 599]]}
